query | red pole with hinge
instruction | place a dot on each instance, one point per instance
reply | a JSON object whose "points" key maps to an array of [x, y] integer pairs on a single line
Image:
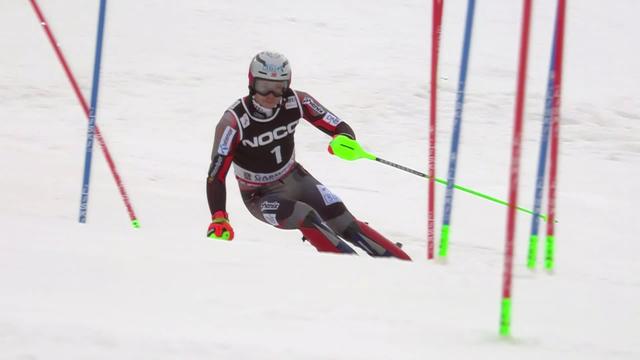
{"points": [[85, 107]]}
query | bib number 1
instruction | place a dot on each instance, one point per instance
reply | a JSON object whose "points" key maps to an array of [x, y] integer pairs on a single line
{"points": [[278, 154]]}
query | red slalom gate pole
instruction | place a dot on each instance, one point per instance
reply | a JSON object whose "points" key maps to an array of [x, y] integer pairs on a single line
{"points": [[505, 315], [555, 137], [438, 6], [74, 84]]}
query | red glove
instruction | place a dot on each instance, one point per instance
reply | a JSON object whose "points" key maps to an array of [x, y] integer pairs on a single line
{"points": [[220, 228]]}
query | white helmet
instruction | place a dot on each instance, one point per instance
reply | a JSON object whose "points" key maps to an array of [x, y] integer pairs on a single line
{"points": [[269, 66]]}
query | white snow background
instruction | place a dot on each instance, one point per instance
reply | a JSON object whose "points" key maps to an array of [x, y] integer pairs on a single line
{"points": [[170, 68]]}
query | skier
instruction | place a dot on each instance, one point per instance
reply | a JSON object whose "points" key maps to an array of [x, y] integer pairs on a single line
{"points": [[256, 136]]}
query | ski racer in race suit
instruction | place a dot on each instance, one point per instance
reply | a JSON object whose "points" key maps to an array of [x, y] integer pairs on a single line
{"points": [[256, 136]]}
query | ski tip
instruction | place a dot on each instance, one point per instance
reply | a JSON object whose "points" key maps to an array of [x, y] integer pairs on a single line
{"points": [[135, 223]]}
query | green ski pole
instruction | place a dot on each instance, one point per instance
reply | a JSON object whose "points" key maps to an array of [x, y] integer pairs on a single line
{"points": [[349, 149]]}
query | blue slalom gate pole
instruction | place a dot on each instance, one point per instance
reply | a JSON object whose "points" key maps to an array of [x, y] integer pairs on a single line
{"points": [[542, 156], [455, 137], [88, 155]]}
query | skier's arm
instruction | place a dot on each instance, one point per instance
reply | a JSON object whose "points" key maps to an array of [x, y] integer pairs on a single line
{"points": [[320, 117], [226, 138]]}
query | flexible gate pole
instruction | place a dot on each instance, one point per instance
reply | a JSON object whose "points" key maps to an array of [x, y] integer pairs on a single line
{"points": [[85, 108]]}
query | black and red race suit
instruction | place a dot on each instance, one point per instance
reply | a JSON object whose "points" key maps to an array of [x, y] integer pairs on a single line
{"points": [[259, 144]]}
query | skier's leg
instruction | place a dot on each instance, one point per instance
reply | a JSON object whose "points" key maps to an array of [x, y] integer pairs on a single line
{"points": [[362, 235], [291, 214], [320, 235], [333, 211]]}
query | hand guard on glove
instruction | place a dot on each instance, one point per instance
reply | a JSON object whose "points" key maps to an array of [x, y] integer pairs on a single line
{"points": [[220, 228], [344, 147]]}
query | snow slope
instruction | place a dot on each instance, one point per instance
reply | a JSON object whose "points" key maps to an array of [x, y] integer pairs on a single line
{"points": [[106, 291]]}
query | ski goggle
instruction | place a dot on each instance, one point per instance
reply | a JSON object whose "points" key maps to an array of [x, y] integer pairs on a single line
{"points": [[266, 87]]}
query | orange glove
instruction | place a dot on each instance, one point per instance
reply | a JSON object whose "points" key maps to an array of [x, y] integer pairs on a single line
{"points": [[220, 228]]}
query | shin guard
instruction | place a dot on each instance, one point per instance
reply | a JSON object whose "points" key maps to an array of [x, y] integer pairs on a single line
{"points": [[322, 237], [373, 242]]}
